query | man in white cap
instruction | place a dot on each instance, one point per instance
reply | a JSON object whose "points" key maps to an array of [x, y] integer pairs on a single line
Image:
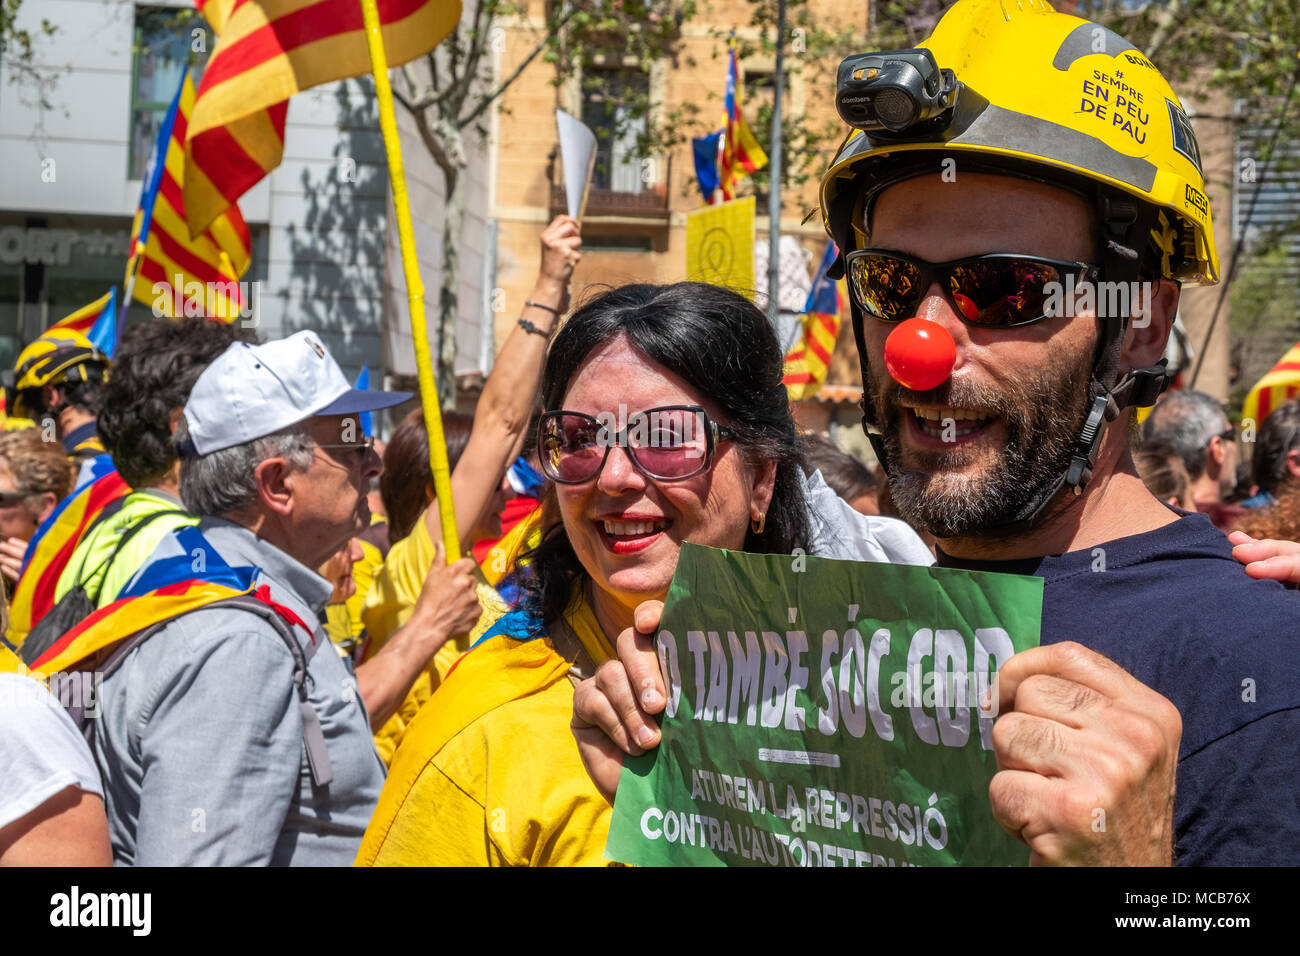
{"points": [[226, 738]]}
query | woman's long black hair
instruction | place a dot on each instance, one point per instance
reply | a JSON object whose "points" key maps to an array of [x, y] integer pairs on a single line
{"points": [[721, 344]]}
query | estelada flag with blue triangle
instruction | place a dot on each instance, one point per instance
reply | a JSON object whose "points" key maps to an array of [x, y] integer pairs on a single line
{"points": [[201, 272], [97, 322], [164, 589], [705, 150], [1280, 385], [740, 150], [51, 547], [809, 359]]}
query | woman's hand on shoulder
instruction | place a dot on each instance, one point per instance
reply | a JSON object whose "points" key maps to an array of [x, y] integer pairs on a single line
{"points": [[1268, 559], [613, 711]]}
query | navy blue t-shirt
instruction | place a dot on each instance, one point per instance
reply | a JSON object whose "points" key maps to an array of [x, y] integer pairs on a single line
{"points": [[1178, 612]]}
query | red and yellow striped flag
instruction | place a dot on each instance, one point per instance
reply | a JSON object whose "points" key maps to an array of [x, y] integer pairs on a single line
{"points": [[267, 51], [201, 274], [216, 12], [740, 150], [809, 358], [1279, 386], [51, 547]]}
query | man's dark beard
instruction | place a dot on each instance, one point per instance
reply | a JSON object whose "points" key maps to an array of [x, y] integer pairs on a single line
{"points": [[1043, 413]]}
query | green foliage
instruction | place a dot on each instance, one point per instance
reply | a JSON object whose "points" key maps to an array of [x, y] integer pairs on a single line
{"points": [[1265, 295], [1265, 304], [16, 42], [451, 90], [574, 38], [171, 26], [626, 35], [813, 50], [18, 50], [903, 25], [1245, 50]]}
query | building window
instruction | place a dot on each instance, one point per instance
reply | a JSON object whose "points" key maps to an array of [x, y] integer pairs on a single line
{"points": [[167, 39], [605, 97]]}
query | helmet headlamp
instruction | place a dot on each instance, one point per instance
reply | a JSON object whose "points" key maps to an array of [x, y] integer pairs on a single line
{"points": [[894, 90]]}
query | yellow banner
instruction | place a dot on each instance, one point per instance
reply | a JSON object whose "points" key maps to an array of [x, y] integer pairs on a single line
{"points": [[720, 245]]}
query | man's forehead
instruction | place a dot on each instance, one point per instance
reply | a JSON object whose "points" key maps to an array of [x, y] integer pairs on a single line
{"points": [[939, 218], [330, 427]]}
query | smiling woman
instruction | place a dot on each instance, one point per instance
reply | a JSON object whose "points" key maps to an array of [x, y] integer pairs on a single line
{"points": [[665, 422]]}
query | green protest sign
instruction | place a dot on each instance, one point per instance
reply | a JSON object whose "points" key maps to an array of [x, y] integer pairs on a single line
{"points": [[825, 713]]}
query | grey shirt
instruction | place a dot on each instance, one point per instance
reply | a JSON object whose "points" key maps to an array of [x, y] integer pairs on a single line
{"points": [[200, 737]]}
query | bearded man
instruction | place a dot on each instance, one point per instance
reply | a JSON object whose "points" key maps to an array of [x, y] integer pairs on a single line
{"points": [[1014, 261]]}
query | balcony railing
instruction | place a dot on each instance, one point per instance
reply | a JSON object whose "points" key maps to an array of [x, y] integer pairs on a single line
{"points": [[648, 203]]}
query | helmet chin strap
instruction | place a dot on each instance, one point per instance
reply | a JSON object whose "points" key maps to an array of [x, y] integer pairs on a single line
{"points": [[1125, 224], [54, 411]]}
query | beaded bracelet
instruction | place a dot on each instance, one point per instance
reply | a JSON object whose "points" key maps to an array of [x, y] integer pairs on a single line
{"points": [[538, 305]]}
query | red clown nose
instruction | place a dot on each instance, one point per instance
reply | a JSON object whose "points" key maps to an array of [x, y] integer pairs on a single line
{"points": [[919, 354]]}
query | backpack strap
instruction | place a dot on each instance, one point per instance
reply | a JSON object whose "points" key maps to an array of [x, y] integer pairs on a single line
{"points": [[106, 512], [125, 539], [313, 736]]}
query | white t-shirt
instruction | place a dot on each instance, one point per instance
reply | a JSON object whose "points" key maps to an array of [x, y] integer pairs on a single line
{"points": [[41, 752]]}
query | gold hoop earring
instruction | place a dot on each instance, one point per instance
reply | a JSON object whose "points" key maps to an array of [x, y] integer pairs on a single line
{"points": [[757, 526]]}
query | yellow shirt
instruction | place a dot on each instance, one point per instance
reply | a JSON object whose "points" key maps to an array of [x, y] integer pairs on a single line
{"points": [[11, 663], [488, 773], [388, 605], [397, 584], [343, 621]]}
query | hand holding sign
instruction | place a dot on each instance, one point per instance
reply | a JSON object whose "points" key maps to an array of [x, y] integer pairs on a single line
{"points": [[561, 245], [610, 718], [1086, 757]]}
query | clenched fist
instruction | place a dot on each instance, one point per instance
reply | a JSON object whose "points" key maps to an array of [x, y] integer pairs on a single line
{"points": [[561, 242], [448, 602], [1086, 760]]}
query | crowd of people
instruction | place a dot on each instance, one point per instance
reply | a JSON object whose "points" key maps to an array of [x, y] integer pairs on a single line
{"points": [[255, 651]]}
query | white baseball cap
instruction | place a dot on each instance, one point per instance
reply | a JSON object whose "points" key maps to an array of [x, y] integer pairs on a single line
{"points": [[251, 391]]}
